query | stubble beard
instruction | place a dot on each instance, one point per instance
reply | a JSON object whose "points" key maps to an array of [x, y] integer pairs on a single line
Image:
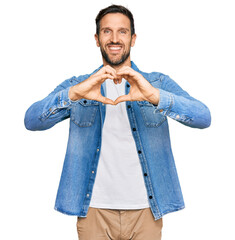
{"points": [[117, 62]]}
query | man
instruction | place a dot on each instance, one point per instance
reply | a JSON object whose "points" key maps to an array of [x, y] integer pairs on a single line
{"points": [[119, 175]]}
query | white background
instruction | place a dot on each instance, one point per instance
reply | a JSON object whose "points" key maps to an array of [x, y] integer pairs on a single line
{"points": [[45, 42]]}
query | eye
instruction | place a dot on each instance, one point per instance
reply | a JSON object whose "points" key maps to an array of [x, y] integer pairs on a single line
{"points": [[123, 31], [106, 31]]}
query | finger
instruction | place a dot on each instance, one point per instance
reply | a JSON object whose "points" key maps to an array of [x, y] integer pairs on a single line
{"points": [[101, 78], [119, 79], [127, 72], [129, 79], [124, 68], [108, 70], [105, 100], [122, 98]]}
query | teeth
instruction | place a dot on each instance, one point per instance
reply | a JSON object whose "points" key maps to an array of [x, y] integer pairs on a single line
{"points": [[115, 48]]}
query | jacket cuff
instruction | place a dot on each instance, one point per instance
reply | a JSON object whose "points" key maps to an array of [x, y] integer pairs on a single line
{"points": [[60, 101], [64, 100], [165, 102]]}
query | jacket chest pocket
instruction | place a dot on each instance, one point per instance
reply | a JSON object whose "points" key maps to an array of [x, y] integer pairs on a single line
{"points": [[150, 116], [83, 113]]}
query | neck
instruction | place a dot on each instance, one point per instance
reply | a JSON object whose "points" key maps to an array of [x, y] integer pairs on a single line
{"points": [[117, 67]]}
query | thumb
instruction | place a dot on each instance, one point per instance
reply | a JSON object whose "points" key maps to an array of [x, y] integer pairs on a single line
{"points": [[105, 100], [122, 98]]}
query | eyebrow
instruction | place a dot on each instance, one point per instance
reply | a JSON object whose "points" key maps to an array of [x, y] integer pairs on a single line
{"points": [[118, 29]]}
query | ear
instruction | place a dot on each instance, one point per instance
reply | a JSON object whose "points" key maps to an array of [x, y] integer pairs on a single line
{"points": [[97, 40], [133, 38]]}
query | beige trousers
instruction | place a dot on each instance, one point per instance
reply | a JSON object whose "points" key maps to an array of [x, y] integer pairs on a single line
{"points": [[102, 224]]}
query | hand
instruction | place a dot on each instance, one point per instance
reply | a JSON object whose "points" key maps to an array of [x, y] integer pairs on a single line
{"points": [[141, 89], [90, 88]]}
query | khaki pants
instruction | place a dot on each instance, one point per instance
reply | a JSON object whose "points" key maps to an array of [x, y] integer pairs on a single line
{"points": [[102, 224]]}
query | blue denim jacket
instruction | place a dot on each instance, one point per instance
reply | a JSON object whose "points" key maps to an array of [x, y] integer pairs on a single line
{"points": [[150, 132]]}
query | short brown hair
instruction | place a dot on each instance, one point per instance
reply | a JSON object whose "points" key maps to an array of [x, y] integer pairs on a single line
{"points": [[114, 9]]}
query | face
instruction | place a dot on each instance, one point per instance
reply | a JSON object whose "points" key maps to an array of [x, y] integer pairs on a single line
{"points": [[115, 40]]}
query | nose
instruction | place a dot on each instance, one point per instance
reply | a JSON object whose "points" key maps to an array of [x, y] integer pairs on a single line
{"points": [[114, 37]]}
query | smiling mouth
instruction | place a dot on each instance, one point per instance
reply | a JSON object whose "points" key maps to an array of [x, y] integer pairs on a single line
{"points": [[115, 49]]}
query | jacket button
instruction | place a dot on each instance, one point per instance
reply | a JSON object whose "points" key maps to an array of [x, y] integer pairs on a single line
{"points": [[150, 197], [161, 110], [129, 106], [145, 174], [134, 129], [139, 152], [85, 101], [88, 195], [128, 85]]}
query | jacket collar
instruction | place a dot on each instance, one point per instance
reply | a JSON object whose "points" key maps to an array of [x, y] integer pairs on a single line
{"points": [[133, 66]]}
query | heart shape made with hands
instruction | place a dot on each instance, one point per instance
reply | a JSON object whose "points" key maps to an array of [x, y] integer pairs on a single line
{"points": [[140, 90]]}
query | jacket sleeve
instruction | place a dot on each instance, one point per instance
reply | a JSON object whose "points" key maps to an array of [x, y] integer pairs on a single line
{"points": [[54, 108], [179, 105]]}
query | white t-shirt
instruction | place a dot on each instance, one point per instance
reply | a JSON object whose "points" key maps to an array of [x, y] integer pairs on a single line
{"points": [[119, 182]]}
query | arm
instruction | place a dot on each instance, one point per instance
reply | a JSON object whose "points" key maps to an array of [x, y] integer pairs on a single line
{"points": [[177, 104], [54, 108], [170, 99]]}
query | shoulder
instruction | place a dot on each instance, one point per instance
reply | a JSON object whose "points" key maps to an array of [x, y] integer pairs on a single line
{"points": [[150, 76], [77, 79], [153, 76]]}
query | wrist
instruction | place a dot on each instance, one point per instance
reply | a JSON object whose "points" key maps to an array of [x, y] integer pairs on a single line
{"points": [[154, 99], [73, 94]]}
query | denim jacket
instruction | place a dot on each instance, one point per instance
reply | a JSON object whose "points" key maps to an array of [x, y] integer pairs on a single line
{"points": [[150, 132]]}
